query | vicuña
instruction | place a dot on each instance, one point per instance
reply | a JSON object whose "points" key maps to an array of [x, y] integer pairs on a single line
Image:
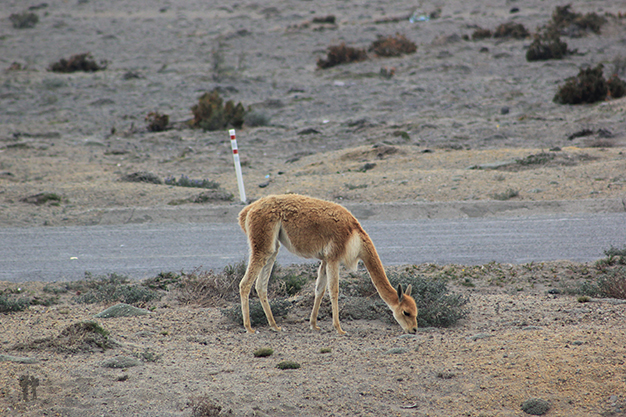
{"points": [[314, 228]]}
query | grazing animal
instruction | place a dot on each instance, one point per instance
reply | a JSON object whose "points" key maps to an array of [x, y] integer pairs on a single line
{"points": [[313, 228]]}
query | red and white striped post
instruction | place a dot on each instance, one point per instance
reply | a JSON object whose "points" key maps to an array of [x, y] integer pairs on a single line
{"points": [[233, 144]]}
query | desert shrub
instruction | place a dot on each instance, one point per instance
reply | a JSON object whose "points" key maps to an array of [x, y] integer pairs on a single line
{"points": [[114, 288], [205, 407], [206, 288], [280, 308], [392, 46], [256, 118], [616, 86], [566, 21], [586, 289], [511, 30], [546, 47], [79, 62], [330, 19], [40, 199], [142, 176], [9, 303], [236, 271], [289, 284], [481, 33], [204, 197], [341, 54], [357, 284], [24, 20], [612, 283], [536, 159], [157, 122], [616, 255], [185, 181], [505, 195], [437, 307], [162, 281], [588, 86], [263, 352], [212, 114], [288, 365]]}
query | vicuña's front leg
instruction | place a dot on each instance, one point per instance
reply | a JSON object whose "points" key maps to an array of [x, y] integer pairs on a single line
{"points": [[320, 288], [332, 270]]}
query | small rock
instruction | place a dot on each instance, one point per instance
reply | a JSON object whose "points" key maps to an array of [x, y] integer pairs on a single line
{"points": [[535, 406], [478, 337], [532, 328]]}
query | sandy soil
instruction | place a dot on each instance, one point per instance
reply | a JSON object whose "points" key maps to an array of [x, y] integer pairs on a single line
{"points": [[455, 123], [518, 342]]}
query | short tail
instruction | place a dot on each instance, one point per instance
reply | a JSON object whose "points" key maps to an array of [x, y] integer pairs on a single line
{"points": [[243, 215]]}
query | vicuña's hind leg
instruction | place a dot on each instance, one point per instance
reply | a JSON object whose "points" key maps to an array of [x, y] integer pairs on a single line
{"points": [[320, 288], [332, 270], [256, 265], [261, 289]]}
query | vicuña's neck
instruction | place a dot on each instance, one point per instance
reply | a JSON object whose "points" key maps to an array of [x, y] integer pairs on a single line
{"points": [[374, 266]]}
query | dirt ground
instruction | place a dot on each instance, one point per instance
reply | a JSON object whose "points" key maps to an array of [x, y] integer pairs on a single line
{"points": [[459, 120]]}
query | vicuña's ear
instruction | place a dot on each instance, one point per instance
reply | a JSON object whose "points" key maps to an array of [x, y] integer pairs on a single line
{"points": [[408, 290], [400, 294]]}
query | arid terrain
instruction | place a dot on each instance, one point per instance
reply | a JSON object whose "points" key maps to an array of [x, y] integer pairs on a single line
{"points": [[457, 120]]}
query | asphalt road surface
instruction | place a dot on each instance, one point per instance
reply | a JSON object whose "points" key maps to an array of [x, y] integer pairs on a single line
{"points": [[141, 251]]}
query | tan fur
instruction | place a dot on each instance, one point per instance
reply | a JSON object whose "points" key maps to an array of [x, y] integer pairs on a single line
{"points": [[313, 228]]}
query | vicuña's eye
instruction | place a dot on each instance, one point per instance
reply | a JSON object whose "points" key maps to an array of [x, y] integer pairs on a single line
{"points": [[406, 313]]}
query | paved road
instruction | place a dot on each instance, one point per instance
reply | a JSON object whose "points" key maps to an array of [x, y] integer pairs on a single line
{"points": [[140, 251]]}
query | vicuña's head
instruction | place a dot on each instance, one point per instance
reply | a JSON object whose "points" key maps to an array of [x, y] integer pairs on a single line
{"points": [[405, 312]]}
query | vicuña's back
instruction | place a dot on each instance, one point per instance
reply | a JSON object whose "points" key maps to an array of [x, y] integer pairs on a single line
{"points": [[308, 227], [314, 228]]}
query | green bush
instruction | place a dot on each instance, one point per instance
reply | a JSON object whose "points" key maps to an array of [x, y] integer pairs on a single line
{"points": [[437, 307], [114, 288], [162, 281], [288, 365], [24, 20], [546, 47], [185, 181], [280, 308], [211, 114], [263, 352], [9, 303], [589, 86], [290, 284]]}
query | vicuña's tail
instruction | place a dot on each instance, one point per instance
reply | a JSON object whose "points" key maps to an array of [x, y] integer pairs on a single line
{"points": [[243, 215]]}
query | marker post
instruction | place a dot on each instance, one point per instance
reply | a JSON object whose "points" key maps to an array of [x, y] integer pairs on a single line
{"points": [[233, 144]]}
